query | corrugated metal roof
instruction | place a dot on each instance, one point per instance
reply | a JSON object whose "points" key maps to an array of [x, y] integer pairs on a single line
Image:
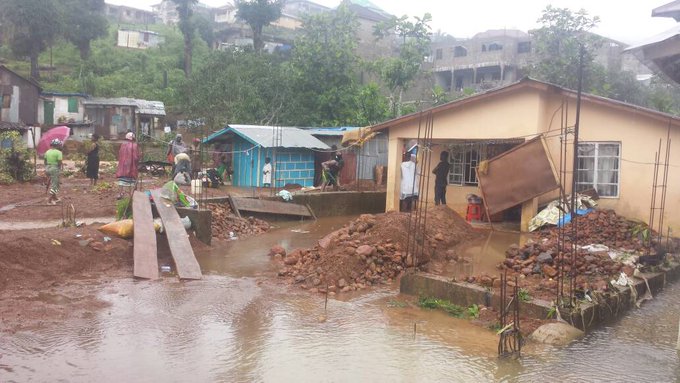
{"points": [[153, 108], [65, 94], [263, 136], [338, 131], [120, 101]]}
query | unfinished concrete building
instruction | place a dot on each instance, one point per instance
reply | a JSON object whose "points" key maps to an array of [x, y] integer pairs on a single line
{"points": [[487, 60]]}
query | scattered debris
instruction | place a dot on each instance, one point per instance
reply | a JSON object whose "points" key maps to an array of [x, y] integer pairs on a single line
{"points": [[606, 245], [227, 226]]}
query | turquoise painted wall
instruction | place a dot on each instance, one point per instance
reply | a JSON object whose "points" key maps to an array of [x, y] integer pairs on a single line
{"points": [[290, 165]]}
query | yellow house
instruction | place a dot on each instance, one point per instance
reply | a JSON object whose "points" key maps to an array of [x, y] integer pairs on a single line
{"points": [[618, 143]]}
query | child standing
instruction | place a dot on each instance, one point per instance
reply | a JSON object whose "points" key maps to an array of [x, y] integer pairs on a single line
{"points": [[267, 173]]}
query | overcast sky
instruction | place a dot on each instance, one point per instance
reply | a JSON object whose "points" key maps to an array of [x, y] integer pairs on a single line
{"points": [[629, 21]]}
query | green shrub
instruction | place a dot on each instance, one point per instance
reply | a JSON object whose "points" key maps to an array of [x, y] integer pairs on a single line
{"points": [[106, 151], [16, 160]]}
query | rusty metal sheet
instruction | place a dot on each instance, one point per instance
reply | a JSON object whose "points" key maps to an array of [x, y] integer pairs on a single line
{"points": [[144, 249], [516, 176], [270, 207], [185, 261]]}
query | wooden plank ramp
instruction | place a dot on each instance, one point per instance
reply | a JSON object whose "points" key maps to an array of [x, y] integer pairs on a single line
{"points": [[185, 261], [144, 249], [270, 207]]}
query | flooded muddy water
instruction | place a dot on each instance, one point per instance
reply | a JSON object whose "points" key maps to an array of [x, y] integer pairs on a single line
{"points": [[240, 325], [482, 255]]}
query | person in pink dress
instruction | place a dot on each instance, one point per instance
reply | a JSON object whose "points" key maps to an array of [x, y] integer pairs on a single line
{"points": [[128, 162]]}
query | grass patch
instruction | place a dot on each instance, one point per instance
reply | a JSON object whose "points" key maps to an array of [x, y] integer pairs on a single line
{"points": [[442, 304], [473, 311], [523, 295], [102, 186], [123, 209]]}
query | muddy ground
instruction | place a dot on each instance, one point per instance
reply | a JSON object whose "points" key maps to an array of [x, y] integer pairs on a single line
{"points": [[48, 275]]}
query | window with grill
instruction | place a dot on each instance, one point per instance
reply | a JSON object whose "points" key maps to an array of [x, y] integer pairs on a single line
{"points": [[464, 159], [599, 167], [439, 54]]}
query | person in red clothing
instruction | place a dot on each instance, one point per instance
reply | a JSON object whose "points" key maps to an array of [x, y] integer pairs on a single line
{"points": [[128, 162]]}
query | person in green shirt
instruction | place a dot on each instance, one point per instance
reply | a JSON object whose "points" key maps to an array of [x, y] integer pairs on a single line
{"points": [[53, 166]]}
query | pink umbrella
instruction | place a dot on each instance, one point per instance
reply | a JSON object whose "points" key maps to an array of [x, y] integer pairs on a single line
{"points": [[59, 132]]}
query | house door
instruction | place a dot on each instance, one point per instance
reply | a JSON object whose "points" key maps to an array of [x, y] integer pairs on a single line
{"points": [[49, 112]]}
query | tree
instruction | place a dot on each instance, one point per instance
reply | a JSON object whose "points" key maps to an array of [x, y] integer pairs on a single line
{"points": [[258, 14], [558, 43], [186, 25], [206, 29], [399, 73], [32, 25], [324, 67], [84, 21], [246, 87]]}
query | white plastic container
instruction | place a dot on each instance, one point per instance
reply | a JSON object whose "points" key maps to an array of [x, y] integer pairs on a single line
{"points": [[196, 187]]}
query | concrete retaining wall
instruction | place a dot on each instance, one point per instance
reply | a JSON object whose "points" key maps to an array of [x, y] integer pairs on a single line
{"points": [[323, 205], [330, 204], [201, 222], [586, 316]]}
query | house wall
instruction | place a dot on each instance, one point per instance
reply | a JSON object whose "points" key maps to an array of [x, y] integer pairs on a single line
{"points": [[290, 165], [287, 22], [24, 97], [61, 109], [529, 111], [374, 152], [111, 121], [639, 137], [495, 118]]}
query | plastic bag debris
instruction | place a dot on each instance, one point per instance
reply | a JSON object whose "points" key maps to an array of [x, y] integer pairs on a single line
{"points": [[123, 228], [186, 222], [285, 195]]}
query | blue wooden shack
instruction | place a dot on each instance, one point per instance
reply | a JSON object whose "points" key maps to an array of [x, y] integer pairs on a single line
{"points": [[292, 151]]}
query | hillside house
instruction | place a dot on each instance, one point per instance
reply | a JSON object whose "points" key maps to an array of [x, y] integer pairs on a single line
{"points": [[128, 38], [67, 109], [19, 98], [113, 117], [122, 14]]}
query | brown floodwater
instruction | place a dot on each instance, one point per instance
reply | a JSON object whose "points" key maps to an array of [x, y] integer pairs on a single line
{"points": [[239, 324]]}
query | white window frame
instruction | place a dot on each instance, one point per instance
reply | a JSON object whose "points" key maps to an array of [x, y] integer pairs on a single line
{"points": [[596, 156]]}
